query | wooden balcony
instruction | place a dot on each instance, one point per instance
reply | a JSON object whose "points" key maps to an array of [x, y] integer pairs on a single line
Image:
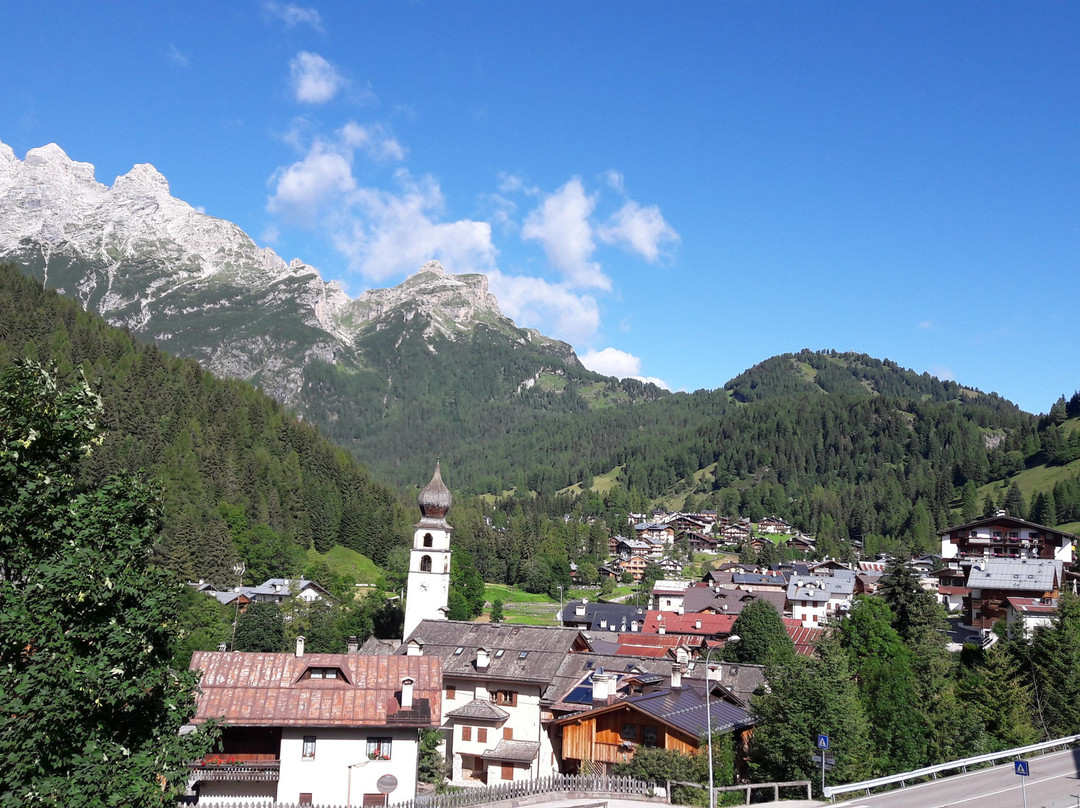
{"points": [[246, 767]]}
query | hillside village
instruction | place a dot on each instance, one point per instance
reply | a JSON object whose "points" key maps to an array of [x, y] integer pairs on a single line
{"points": [[513, 702]]}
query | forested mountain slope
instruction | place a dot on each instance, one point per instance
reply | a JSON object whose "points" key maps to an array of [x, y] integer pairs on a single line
{"points": [[242, 477]]}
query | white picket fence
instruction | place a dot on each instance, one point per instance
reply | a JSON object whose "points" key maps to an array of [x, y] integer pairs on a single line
{"points": [[544, 786]]}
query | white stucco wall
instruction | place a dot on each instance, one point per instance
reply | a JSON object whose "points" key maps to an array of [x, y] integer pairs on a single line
{"points": [[326, 777], [523, 720], [246, 793]]}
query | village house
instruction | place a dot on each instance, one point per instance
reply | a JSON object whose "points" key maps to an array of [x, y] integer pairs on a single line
{"points": [[635, 565], [700, 542], [313, 728], [658, 533], [1003, 536], [815, 599], [494, 679], [993, 581], [667, 595], [608, 617], [691, 522], [709, 626], [278, 590], [622, 711], [1024, 615], [773, 525]]}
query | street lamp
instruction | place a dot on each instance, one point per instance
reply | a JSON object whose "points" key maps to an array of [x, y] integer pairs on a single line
{"points": [[348, 793], [734, 638]]}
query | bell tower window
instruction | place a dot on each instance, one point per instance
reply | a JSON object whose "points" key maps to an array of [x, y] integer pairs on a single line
{"points": [[428, 541], [425, 564]]}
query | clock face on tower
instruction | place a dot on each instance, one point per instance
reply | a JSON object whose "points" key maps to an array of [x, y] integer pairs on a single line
{"points": [[424, 587]]}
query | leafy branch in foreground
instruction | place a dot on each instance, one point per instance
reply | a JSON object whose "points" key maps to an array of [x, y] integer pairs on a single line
{"points": [[90, 710]]}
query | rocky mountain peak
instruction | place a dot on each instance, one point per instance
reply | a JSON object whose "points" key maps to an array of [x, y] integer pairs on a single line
{"points": [[199, 286], [142, 179]]}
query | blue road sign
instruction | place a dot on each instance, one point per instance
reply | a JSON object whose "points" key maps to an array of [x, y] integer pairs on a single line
{"points": [[823, 742], [1021, 768]]}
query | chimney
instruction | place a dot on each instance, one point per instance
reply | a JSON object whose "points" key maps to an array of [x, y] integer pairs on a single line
{"points": [[660, 625], [602, 686], [697, 624], [407, 693], [354, 644], [415, 648], [300, 646], [483, 659], [676, 676], [682, 655], [579, 608]]}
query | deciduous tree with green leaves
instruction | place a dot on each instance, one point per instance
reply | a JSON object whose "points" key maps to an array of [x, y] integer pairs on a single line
{"points": [[763, 640], [90, 709]]}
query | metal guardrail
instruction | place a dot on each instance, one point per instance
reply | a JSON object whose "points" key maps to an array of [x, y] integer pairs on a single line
{"points": [[934, 771]]}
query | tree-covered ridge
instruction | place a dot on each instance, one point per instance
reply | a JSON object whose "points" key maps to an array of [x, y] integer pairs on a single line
{"points": [[848, 373], [243, 479], [421, 394]]}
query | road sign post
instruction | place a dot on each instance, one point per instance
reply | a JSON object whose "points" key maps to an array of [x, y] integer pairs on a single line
{"points": [[1022, 768], [823, 745]]}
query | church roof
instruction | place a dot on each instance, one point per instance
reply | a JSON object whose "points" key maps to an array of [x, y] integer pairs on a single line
{"points": [[435, 499]]}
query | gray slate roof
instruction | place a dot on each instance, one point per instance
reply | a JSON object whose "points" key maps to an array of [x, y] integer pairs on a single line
{"points": [[817, 588], [1042, 574], [684, 708], [479, 710], [740, 680], [529, 653], [514, 751], [603, 616]]}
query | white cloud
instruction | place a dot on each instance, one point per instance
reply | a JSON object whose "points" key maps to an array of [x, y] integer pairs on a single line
{"points": [[614, 180], [293, 15], [552, 308], [613, 362], [926, 324], [374, 140], [561, 225], [384, 233], [304, 188], [642, 230], [314, 80]]}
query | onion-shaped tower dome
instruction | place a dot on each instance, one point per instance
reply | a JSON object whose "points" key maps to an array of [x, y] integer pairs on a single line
{"points": [[435, 499]]}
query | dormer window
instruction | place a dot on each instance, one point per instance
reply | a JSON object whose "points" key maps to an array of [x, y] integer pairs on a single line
{"points": [[324, 673]]}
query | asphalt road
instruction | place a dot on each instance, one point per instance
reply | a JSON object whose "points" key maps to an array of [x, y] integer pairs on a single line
{"points": [[1053, 782]]}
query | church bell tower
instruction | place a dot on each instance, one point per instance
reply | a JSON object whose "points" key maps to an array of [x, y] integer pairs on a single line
{"points": [[429, 562]]}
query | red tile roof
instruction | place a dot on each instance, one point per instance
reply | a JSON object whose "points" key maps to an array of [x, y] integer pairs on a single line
{"points": [[805, 639], [252, 689], [710, 624]]}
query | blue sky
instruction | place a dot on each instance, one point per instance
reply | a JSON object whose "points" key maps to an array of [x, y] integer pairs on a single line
{"points": [[680, 190]]}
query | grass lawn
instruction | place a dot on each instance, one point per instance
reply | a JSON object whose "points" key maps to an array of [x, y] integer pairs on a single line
{"points": [[511, 594], [1032, 480], [344, 561]]}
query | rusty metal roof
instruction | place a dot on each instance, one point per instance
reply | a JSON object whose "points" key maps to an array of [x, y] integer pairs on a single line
{"points": [[251, 689]]}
